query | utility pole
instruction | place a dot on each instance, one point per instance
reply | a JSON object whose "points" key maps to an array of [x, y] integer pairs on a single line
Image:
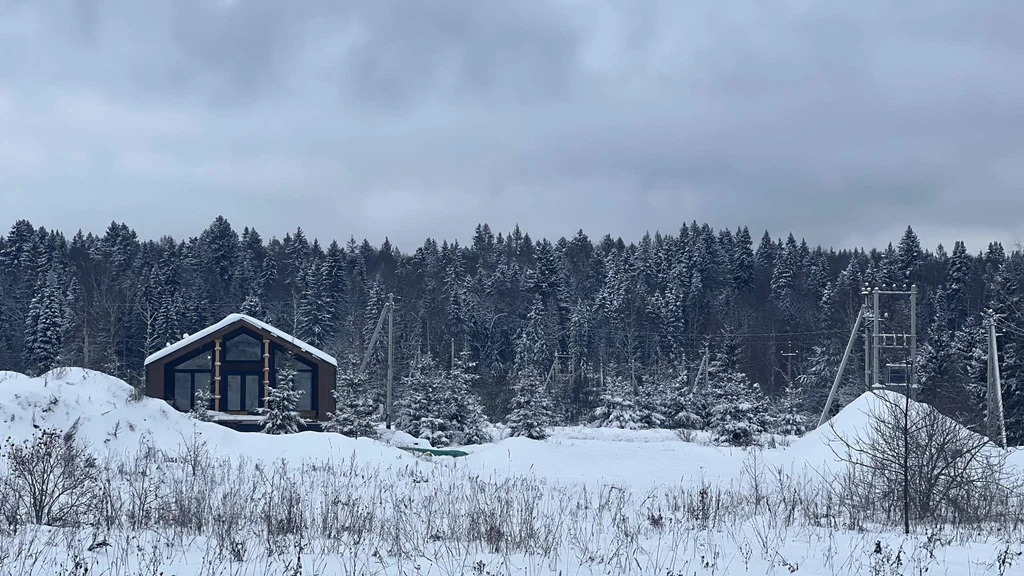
{"points": [[789, 364], [912, 377], [842, 365], [866, 292], [702, 370], [391, 356], [389, 311], [994, 405], [874, 333]]}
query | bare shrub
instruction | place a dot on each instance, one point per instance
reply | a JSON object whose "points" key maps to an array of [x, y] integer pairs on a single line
{"points": [[916, 465], [52, 477]]}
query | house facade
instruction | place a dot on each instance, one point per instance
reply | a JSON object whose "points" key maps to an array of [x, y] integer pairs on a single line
{"points": [[238, 360]]}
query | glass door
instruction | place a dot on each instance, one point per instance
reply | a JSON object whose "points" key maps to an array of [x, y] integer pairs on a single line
{"points": [[253, 392], [244, 392]]}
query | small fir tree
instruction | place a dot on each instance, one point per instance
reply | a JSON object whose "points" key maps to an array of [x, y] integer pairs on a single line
{"points": [[441, 407], [466, 418], [281, 414], [790, 420], [684, 407], [421, 408], [737, 414], [531, 408], [354, 415], [618, 408], [201, 404], [253, 307]]}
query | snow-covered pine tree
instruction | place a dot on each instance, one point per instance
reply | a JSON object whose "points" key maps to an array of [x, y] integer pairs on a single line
{"points": [[315, 312], [337, 293], [46, 324], [441, 407], [201, 404], [424, 409], [764, 257], [790, 420], [531, 348], [466, 418], [618, 407], [354, 410], [737, 414], [652, 396], [580, 396], [938, 363], [908, 256], [531, 408], [253, 306], [681, 407], [969, 387], [281, 414], [742, 261], [958, 285]]}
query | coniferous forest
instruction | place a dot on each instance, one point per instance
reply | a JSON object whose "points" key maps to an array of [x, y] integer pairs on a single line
{"points": [[537, 332]]}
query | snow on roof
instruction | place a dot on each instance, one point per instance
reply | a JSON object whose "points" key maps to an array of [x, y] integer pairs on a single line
{"points": [[232, 319]]}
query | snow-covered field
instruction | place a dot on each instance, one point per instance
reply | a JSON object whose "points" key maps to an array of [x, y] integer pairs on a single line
{"points": [[182, 497]]}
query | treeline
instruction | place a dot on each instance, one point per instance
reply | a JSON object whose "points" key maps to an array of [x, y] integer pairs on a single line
{"points": [[591, 318]]}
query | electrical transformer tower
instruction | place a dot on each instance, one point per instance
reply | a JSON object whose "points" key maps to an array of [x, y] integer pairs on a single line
{"points": [[882, 341], [877, 342]]}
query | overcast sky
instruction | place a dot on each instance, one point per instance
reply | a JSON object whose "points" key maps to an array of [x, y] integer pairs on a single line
{"points": [[840, 121]]}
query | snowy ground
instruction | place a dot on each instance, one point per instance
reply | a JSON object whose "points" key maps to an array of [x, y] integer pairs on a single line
{"points": [[585, 501]]}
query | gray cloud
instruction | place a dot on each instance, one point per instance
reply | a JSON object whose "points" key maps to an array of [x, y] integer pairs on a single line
{"points": [[840, 121]]}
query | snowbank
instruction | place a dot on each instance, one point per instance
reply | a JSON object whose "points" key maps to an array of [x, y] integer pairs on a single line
{"points": [[640, 459], [819, 450], [107, 418]]}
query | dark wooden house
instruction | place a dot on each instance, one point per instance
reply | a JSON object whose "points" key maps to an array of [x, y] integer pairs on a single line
{"points": [[238, 359]]}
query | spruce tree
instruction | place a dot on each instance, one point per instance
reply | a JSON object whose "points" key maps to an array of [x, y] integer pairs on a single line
{"points": [[909, 256], [790, 419], [354, 409], [253, 307], [531, 348], [441, 407], [531, 409], [201, 401], [958, 285], [424, 409], [281, 414], [466, 417], [765, 255], [742, 261], [47, 323], [618, 407], [737, 415], [939, 368], [315, 313], [684, 406]]}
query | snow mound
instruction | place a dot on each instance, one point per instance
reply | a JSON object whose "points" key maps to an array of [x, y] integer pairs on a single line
{"points": [[401, 439], [819, 450], [108, 419]]}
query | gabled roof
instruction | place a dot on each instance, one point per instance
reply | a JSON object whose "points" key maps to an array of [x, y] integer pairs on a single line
{"points": [[236, 319]]}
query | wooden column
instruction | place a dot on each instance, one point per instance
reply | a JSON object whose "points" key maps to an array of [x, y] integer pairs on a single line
{"points": [[216, 375], [266, 373]]}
